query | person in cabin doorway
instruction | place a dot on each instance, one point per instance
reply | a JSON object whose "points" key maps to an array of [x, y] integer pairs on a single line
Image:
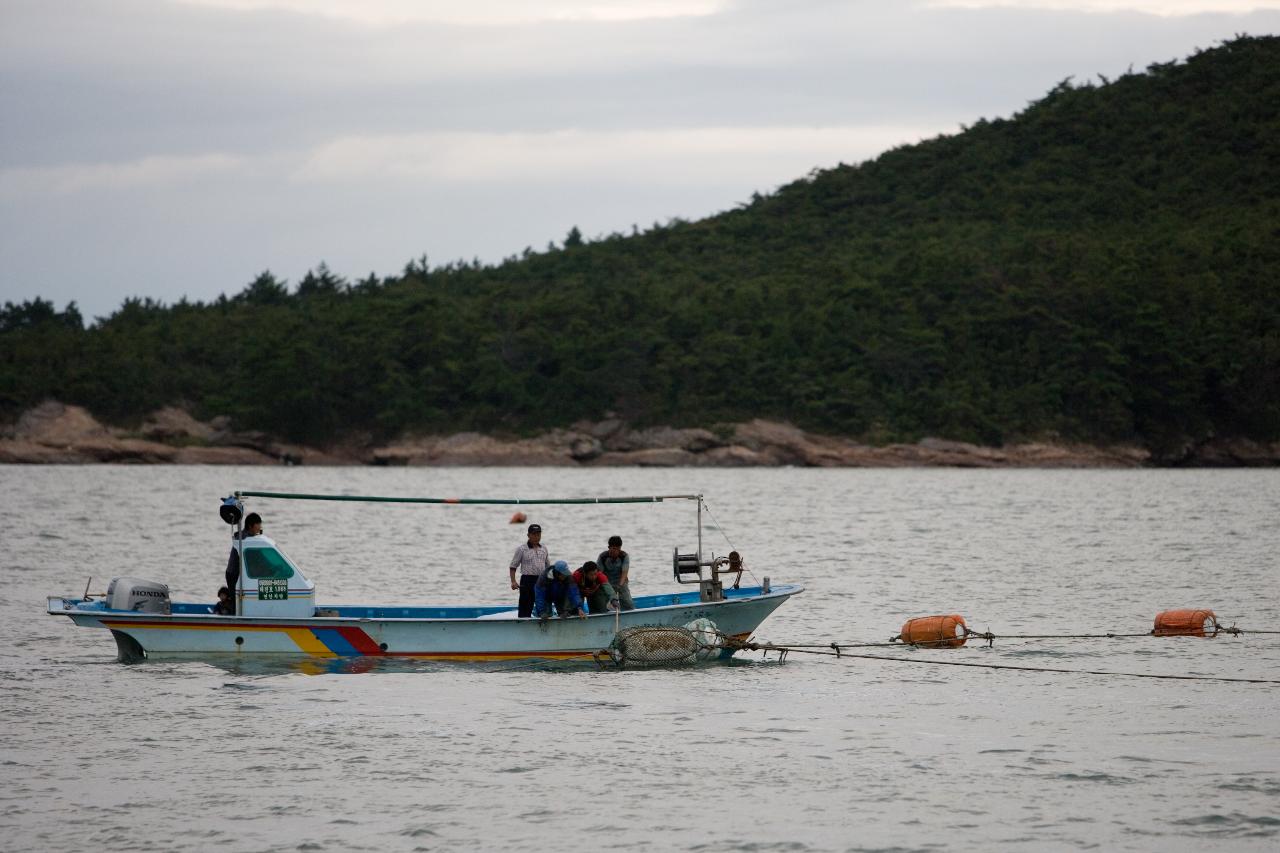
{"points": [[531, 560], [616, 566], [252, 527], [226, 605], [595, 588], [555, 587]]}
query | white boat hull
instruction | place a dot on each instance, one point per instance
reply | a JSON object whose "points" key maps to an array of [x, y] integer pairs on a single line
{"points": [[494, 635]]}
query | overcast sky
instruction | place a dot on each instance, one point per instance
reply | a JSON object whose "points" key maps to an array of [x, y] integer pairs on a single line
{"points": [[171, 148]]}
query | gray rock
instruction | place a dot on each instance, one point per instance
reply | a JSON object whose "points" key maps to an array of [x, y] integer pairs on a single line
{"points": [[56, 425], [605, 428], [659, 438], [733, 456], [172, 423], [585, 448], [222, 456], [667, 457]]}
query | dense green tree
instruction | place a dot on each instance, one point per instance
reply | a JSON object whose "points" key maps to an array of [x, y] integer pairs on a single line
{"points": [[1103, 266]]}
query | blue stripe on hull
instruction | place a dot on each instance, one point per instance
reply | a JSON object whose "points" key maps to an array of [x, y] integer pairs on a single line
{"points": [[335, 641]]}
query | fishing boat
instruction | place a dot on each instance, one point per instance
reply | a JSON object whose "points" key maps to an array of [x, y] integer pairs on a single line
{"points": [[276, 612]]}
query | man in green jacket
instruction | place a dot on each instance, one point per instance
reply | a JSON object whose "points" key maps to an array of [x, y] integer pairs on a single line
{"points": [[616, 566]]}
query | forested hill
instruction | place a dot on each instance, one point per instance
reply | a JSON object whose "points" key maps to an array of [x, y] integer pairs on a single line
{"points": [[1103, 266]]}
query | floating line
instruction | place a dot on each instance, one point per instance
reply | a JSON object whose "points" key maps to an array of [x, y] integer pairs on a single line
{"points": [[837, 653], [990, 637], [1221, 629], [837, 646]]}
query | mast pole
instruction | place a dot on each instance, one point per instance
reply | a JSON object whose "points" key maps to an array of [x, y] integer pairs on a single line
{"points": [[699, 528], [235, 593]]}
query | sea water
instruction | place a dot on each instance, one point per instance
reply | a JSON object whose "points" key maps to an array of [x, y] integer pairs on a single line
{"points": [[812, 753]]}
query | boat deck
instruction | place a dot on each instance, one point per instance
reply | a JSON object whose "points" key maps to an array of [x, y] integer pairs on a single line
{"points": [[378, 611]]}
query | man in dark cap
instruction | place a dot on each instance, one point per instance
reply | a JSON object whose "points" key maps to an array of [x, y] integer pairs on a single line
{"points": [[531, 560], [252, 527]]}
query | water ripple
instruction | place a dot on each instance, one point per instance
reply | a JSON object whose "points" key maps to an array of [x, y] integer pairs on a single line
{"points": [[814, 754]]}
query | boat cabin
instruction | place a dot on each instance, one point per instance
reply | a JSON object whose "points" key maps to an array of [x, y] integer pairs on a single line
{"points": [[271, 584]]}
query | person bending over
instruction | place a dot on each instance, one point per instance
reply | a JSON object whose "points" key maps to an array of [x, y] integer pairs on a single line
{"points": [[596, 590], [555, 587]]}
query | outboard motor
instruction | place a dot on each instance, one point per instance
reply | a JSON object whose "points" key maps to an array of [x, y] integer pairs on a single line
{"points": [[139, 595]]}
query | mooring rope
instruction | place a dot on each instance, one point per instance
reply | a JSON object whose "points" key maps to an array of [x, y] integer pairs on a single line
{"points": [[784, 650], [1221, 629], [839, 646], [840, 650], [991, 637]]}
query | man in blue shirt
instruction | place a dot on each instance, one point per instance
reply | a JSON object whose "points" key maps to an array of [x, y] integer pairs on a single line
{"points": [[556, 587]]}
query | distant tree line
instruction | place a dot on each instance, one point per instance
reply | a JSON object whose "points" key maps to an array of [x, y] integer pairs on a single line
{"points": [[1104, 266]]}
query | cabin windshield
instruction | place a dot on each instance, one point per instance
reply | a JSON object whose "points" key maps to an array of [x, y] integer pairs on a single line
{"points": [[264, 563]]}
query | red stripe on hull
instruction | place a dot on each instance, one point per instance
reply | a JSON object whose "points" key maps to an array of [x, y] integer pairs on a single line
{"points": [[361, 642]]}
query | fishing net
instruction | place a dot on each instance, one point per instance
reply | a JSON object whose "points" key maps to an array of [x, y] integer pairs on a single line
{"points": [[661, 645]]}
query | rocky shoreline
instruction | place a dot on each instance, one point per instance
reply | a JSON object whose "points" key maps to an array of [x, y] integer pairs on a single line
{"points": [[54, 433]]}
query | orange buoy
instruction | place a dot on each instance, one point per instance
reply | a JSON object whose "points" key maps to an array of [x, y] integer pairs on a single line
{"points": [[519, 518], [938, 631], [1186, 623]]}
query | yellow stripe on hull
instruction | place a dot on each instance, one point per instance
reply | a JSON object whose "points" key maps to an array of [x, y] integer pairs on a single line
{"points": [[303, 638], [309, 642]]}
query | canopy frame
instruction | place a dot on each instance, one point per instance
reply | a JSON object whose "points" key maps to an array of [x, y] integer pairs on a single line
{"points": [[632, 499]]}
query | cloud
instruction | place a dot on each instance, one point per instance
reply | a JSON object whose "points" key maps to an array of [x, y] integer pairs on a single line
{"points": [[203, 225], [474, 12], [746, 156], [86, 79], [741, 154], [384, 13], [1149, 7], [145, 173], [161, 147]]}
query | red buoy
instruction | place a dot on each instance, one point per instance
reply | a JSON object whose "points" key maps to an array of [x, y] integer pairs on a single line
{"points": [[519, 518], [938, 631], [1186, 623]]}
